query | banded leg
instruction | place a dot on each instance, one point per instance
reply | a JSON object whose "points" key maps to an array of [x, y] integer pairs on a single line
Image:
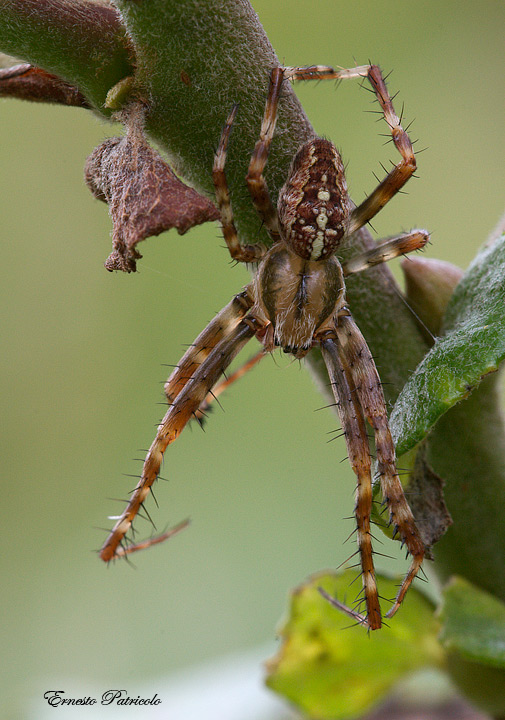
{"points": [[366, 382], [254, 178], [325, 72], [223, 323], [401, 172], [353, 424], [124, 550], [387, 250], [179, 413], [238, 252], [216, 391]]}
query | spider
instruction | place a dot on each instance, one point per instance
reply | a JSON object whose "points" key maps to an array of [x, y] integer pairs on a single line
{"points": [[297, 301]]}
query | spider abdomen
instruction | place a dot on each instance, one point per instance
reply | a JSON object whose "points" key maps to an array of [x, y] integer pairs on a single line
{"points": [[296, 297], [314, 204]]}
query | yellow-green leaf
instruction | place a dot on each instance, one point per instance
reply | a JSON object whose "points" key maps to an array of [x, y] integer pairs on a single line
{"points": [[331, 670]]}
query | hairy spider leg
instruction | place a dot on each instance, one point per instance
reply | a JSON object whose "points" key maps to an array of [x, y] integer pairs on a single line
{"points": [[355, 352], [241, 253], [124, 550], [386, 250], [324, 72], [216, 391], [199, 350], [353, 424], [225, 321], [255, 181], [401, 172], [179, 413]]}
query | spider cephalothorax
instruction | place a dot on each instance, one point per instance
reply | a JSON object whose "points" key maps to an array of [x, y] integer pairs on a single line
{"points": [[297, 301], [294, 298]]}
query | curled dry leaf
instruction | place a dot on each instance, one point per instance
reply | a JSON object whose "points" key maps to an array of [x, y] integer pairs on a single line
{"points": [[425, 492], [144, 195], [26, 82], [426, 500]]}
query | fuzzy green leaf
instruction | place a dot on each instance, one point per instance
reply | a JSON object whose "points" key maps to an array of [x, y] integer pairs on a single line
{"points": [[473, 346], [331, 670]]}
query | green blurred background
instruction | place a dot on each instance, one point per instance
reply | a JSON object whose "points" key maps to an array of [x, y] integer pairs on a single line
{"points": [[83, 349]]}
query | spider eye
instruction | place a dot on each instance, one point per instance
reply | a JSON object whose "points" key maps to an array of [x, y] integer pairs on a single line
{"points": [[314, 205]]}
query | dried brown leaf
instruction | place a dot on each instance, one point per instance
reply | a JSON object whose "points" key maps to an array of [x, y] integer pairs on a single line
{"points": [[145, 197], [426, 499], [26, 82]]}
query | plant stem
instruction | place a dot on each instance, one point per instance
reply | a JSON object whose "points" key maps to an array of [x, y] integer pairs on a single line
{"points": [[82, 42], [217, 54]]}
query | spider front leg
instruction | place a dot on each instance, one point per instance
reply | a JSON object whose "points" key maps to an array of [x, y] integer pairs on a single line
{"points": [[238, 252], [254, 179], [401, 172], [356, 356], [185, 404]]}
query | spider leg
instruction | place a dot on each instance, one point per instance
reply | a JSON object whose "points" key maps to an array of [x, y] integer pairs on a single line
{"points": [[255, 181], [220, 326], [179, 413], [401, 172], [353, 424], [216, 391], [238, 252], [123, 550], [325, 72], [368, 389], [387, 250]]}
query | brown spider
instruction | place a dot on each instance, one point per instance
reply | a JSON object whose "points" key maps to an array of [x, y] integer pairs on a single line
{"points": [[297, 301]]}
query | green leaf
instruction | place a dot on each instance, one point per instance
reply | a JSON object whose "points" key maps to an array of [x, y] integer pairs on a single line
{"points": [[473, 635], [473, 623], [331, 670], [473, 346]]}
